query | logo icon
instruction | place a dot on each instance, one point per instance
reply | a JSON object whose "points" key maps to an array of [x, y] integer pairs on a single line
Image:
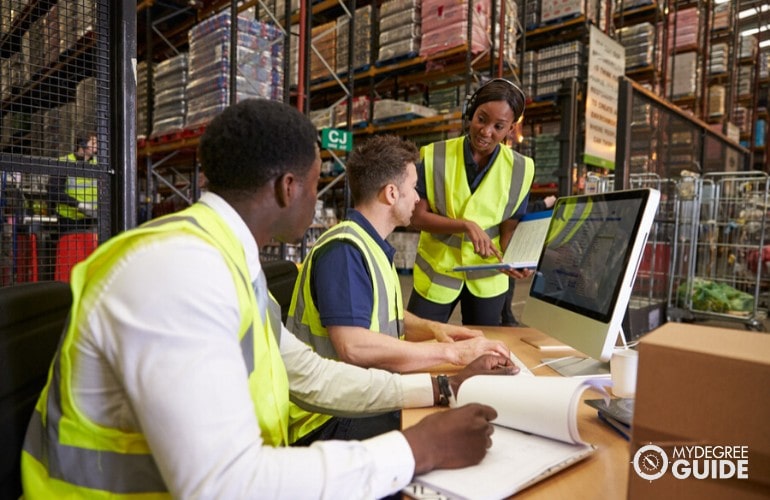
{"points": [[650, 462]]}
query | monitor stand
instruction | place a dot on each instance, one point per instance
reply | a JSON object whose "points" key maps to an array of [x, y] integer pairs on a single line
{"points": [[572, 366]]}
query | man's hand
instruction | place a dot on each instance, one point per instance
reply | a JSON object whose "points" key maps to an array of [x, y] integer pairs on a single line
{"points": [[463, 352], [450, 333], [485, 365], [482, 244], [451, 439]]}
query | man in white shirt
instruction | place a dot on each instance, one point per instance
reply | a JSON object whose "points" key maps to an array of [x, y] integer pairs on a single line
{"points": [[174, 375]]}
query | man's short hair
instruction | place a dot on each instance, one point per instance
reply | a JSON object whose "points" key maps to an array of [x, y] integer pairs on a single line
{"points": [[379, 161], [254, 141]]}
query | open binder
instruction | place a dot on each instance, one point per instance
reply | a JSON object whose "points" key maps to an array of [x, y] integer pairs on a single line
{"points": [[535, 436]]}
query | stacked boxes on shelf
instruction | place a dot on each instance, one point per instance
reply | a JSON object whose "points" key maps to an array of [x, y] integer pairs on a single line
{"points": [[741, 120], [336, 116], [532, 18], [639, 42], [445, 25], [170, 95], [389, 110], [683, 73], [362, 39], [85, 106], [400, 29], [294, 56], [510, 33], [718, 59], [416, 95], [259, 59], [552, 11], [557, 63], [445, 99], [324, 39], [360, 114], [277, 8], [52, 43], [528, 73], [683, 29], [76, 18], [721, 19], [747, 57], [764, 65], [59, 130], [546, 154], [748, 48], [745, 86], [716, 102], [322, 118], [11, 68], [141, 100], [682, 78], [527, 146]]}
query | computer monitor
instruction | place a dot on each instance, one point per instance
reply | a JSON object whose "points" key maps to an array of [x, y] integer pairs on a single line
{"points": [[586, 270]]}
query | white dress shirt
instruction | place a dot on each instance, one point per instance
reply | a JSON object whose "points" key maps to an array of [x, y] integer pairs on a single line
{"points": [[160, 355]]}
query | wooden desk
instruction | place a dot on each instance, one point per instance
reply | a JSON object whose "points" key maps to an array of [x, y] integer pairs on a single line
{"points": [[604, 475]]}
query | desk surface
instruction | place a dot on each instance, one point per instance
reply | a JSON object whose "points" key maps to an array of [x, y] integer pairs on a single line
{"points": [[603, 475]]}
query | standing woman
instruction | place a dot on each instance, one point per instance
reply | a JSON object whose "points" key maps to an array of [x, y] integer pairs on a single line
{"points": [[473, 190]]}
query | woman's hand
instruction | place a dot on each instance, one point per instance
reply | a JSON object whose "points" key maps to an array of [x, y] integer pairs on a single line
{"points": [[482, 244], [518, 273]]}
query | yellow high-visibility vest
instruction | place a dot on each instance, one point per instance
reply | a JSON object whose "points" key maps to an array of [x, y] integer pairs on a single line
{"points": [[304, 320], [503, 189], [66, 454], [83, 189]]}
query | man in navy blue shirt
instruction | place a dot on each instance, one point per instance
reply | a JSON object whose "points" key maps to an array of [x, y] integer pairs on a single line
{"points": [[347, 303]]}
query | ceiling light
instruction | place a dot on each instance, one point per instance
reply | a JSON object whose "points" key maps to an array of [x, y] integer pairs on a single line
{"points": [[754, 31], [753, 11]]}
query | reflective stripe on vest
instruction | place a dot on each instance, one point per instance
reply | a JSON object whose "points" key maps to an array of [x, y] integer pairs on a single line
{"points": [[120, 471], [567, 221], [448, 194], [305, 322]]}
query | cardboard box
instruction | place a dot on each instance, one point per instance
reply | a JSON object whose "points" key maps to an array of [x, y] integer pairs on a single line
{"points": [[701, 386]]}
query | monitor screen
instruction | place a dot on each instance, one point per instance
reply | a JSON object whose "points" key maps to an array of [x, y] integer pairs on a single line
{"points": [[585, 273]]}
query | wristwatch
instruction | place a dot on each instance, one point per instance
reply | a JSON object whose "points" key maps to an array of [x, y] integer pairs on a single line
{"points": [[444, 390]]}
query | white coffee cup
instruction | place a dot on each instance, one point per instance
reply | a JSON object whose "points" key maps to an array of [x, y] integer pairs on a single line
{"points": [[623, 365]]}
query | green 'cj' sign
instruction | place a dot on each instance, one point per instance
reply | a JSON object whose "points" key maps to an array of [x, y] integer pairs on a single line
{"points": [[332, 138]]}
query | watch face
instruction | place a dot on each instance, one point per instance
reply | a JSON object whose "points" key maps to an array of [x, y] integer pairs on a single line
{"points": [[650, 462]]}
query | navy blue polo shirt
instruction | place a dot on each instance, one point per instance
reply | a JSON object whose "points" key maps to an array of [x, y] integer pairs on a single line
{"points": [[472, 173], [341, 285]]}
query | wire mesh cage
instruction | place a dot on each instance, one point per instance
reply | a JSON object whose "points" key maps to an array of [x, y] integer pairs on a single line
{"points": [[54, 98], [718, 266]]}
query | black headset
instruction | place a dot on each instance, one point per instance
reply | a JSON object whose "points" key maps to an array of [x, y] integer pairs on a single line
{"points": [[470, 103], [81, 143]]}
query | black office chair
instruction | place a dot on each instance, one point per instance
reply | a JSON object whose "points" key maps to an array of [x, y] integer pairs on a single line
{"points": [[32, 316], [280, 276]]}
